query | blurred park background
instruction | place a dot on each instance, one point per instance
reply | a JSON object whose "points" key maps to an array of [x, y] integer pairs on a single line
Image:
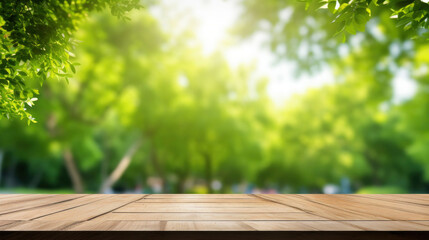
{"points": [[214, 96]]}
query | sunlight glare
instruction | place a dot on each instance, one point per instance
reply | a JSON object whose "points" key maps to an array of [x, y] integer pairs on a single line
{"points": [[214, 19]]}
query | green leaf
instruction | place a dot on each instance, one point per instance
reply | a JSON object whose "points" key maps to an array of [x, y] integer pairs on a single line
{"points": [[344, 16], [342, 7], [360, 19], [359, 26], [72, 68], [350, 28], [331, 6]]}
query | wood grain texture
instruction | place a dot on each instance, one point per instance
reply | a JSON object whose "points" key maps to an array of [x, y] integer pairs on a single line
{"points": [[170, 208], [210, 216], [37, 201], [212, 205], [363, 206], [10, 196], [302, 226], [201, 196], [389, 225], [94, 209], [13, 198], [326, 211], [37, 212], [398, 198], [216, 212], [207, 226], [201, 200], [38, 225]]}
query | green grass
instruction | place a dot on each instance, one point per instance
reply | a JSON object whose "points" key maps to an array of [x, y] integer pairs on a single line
{"points": [[36, 191], [381, 190]]}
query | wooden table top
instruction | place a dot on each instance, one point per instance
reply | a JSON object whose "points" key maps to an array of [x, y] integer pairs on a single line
{"points": [[214, 212]]}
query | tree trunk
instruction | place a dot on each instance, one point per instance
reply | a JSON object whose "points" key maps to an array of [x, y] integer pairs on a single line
{"points": [[73, 171], [180, 186], [104, 168], [121, 167], [36, 179], [375, 169], [10, 179], [209, 177], [1, 163], [158, 167]]}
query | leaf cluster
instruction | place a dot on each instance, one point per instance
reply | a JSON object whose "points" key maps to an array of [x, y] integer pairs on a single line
{"points": [[36, 44], [412, 15]]}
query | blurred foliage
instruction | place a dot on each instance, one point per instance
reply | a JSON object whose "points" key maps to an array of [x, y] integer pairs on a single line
{"points": [[182, 121], [314, 37], [36, 44], [39, 191], [382, 190], [411, 15]]}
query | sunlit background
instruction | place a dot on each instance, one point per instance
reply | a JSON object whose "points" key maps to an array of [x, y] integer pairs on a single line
{"points": [[216, 96]]}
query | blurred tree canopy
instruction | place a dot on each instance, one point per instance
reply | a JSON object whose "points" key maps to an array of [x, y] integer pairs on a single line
{"points": [[36, 44], [121, 112], [149, 110], [313, 36], [383, 38]]}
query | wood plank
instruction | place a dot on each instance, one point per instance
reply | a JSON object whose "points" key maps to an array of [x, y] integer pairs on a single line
{"points": [[426, 223], [389, 225], [261, 212], [221, 196], [301, 226], [201, 200], [398, 198], [415, 208], [209, 216], [211, 205], [279, 226], [30, 203], [319, 209], [117, 226], [4, 227], [94, 209], [207, 226], [6, 222], [135, 207], [38, 226], [12, 195], [331, 226], [37, 212], [22, 198], [386, 212], [424, 197], [162, 226]]}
